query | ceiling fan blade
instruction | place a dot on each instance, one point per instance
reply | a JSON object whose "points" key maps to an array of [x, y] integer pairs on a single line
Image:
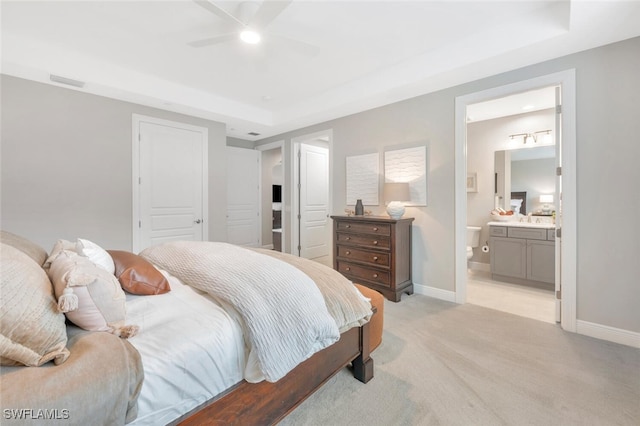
{"points": [[268, 11], [217, 10], [213, 40], [301, 47]]}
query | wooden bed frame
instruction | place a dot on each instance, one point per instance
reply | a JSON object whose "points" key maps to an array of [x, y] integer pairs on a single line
{"points": [[267, 403]]}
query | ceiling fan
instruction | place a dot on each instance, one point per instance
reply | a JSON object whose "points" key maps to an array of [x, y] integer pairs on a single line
{"points": [[250, 23]]}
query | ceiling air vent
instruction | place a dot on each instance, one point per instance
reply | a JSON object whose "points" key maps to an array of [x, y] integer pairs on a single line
{"points": [[253, 134]]}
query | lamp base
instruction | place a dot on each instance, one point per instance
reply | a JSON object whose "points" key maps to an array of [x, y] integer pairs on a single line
{"points": [[395, 209]]}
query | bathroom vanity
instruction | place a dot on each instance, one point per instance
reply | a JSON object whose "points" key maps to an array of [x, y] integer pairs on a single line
{"points": [[523, 253]]}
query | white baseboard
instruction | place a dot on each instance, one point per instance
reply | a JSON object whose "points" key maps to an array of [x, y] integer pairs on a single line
{"points": [[268, 246], [436, 293], [604, 332], [478, 266]]}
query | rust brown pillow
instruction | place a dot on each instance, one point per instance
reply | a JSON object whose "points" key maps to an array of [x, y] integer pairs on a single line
{"points": [[137, 275]]}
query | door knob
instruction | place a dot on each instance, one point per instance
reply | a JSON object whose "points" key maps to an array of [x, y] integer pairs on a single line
{"points": [[197, 221]]}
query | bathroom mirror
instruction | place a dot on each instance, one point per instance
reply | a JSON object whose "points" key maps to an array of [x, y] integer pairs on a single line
{"points": [[526, 174]]}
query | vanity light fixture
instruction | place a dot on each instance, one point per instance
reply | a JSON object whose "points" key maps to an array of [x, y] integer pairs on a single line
{"points": [[528, 138]]}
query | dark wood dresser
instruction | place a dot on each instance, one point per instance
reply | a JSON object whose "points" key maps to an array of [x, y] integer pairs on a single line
{"points": [[374, 251]]}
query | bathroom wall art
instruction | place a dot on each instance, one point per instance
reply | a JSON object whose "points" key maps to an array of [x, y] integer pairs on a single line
{"points": [[472, 182], [363, 175], [408, 165]]}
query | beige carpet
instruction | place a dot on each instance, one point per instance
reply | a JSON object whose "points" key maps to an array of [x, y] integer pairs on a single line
{"points": [[447, 364]]}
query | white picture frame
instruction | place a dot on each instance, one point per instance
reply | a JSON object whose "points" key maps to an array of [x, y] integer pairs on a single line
{"points": [[363, 177], [408, 165], [472, 182]]}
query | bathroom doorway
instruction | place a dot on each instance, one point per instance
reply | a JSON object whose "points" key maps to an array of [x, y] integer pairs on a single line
{"points": [[564, 120], [511, 151], [274, 189]]}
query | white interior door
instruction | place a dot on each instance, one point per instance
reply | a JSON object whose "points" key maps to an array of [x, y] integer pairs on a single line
{"points": [[314, 201], [243, 197], [170, 183]]}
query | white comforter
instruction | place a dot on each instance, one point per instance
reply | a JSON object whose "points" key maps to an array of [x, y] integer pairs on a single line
{"points": [[284, 312], [192, 350]]}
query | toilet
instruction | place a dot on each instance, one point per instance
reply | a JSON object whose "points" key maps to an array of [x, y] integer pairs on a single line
{"points": [[473, 239]]}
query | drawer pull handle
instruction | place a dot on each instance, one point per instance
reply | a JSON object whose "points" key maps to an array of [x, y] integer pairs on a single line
{"points": [[347, 226], [347, 252], [347, 269], [375, 228], [375, 275], [347, 238], [375, 257], [375, 243]]}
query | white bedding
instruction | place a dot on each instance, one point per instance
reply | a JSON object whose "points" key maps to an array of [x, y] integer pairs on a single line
{"points": [[191, 350], [284, 311]]}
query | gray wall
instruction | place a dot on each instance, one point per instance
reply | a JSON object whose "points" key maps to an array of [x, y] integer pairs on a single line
{"points": [[608, 80], [67, 165]]}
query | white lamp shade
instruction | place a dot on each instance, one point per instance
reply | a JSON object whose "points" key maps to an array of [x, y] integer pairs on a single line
{"points": [[395, 193], [546, 198]]}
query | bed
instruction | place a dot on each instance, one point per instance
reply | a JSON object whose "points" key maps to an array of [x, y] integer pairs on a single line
{"points": [[191, 356]]}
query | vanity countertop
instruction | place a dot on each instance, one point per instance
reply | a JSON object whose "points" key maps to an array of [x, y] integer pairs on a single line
{"points": [[517, 224]]}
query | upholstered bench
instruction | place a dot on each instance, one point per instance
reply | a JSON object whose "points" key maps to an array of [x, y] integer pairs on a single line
{"points": [[377, 321]]}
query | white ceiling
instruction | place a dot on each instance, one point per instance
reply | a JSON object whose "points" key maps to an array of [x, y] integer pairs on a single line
{"points": [[369, 53]]}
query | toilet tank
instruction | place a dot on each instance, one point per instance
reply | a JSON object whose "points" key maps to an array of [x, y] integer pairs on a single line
{"points": [[473, 236]]}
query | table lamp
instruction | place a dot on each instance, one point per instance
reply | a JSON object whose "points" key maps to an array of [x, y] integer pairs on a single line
{"points": [[546, 199], [395, 193]]}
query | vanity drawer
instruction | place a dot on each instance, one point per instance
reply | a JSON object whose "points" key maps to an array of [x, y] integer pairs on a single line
{"points": [[364, 227], [551, 234], [498, 231], [528, 233], [357, 272], [373, 241], [363, 256]]}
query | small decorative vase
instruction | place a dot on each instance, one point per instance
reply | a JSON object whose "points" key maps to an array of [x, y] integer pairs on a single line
{"points": [[359, 208]]}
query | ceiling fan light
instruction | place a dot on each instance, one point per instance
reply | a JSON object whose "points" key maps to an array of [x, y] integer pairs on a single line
{"points": [[250, 36]]}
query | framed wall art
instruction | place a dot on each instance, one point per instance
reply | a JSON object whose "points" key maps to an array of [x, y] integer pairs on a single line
{"points": [[408, 165]]}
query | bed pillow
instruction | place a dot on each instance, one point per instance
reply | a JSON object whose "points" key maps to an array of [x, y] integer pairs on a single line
{"points": [[31, 249], [32, 330], [137, 275], [98, 300], [96, 254]]}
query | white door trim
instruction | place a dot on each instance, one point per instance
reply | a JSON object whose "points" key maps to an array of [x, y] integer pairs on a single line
{"points": [[295, 208], [135, 173], [567, 80]]}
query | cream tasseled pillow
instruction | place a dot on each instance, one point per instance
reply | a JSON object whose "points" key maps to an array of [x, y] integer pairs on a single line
{"points": [[100, 299], [32, 330]]}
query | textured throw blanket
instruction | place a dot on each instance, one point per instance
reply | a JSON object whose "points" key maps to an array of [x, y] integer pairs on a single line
{"points": [[284, 312]]}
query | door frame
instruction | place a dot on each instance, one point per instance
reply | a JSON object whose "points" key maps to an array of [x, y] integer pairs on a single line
{"points": [[269, 147], [567, 81], [137, 119], [295, 181]]}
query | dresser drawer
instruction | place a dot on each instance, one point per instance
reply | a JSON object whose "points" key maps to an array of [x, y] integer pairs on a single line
{"points": [[365, 227], [382, 242], [357, 272], [528, 233], [375, 258]]}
